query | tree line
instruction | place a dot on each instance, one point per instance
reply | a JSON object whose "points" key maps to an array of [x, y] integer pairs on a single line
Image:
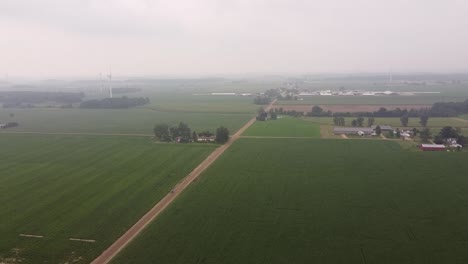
{"points": [[126, 90], [115, 103], [26, 98], [440, 109], [183, 134], [444, 135], [262, 115]]}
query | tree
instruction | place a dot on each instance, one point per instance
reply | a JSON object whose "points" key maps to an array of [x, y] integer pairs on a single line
{"points": [[448, 132], [378, 130], [336, 121], [404, 120], [415, 132], [354, 123], [161, 132], [398, 133], [273, 116], [462, 140], [261, 114], [222, 135], [425, 134], [194, 136], [370, 121], [316, 111], [184, 132], [423, 120], [359, 121]]}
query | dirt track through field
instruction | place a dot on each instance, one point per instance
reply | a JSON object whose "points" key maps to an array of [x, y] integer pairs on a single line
{"points": [[131, 233], [460, 119]]}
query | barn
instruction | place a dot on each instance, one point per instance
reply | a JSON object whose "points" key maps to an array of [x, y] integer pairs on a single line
{"points": [[432, 147], [352, 130], [383, 128]]}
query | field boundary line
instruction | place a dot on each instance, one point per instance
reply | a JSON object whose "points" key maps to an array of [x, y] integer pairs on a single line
{"points": [[29, 235], [74, 133], [144, 221], [278, 137]]}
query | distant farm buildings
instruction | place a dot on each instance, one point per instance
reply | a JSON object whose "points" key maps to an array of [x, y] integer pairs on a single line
{"points": [[353, 130], [383, 128], [432, 147], [206, 139]]}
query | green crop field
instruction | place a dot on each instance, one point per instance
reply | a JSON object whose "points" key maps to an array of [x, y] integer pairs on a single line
{"points": [[285, 126], [115, 121], [88, 187], [316, 201], [465, 117], [202, 103]]}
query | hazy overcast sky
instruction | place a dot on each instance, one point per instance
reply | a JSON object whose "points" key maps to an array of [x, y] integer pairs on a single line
{"points": [[52, 38]]}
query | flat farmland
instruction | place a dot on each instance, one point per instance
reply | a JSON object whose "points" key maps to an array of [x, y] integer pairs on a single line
{"points": [[464, 117], [202, 103], [283, 127], [316, 201], [115, 121], [84, 187]]}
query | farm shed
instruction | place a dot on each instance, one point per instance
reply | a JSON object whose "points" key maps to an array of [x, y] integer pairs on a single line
{"points": [[352, 130], [432, 147], [206, 139], [383, 127]]}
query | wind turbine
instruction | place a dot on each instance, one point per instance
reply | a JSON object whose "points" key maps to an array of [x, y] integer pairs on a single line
{"points": [[110, 82], [100, 82]]}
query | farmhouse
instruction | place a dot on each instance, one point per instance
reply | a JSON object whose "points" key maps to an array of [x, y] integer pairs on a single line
{"points": [[432, 147], [352, 130], [3, 125], [206, 139]]}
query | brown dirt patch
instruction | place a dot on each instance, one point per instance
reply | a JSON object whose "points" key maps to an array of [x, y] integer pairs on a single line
{"points": [[350, 108]]}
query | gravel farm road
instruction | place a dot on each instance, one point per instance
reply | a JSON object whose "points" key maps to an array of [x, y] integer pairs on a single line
{"points": [[131, 233]]}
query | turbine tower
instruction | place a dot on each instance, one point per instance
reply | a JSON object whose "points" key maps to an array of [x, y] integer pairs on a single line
{"points": [[110, 82], [101, 84]]}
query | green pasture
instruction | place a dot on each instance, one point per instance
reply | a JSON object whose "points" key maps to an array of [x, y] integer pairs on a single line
{"points": [[285, 126], [87, 187], [114, 121], [316, 201]]}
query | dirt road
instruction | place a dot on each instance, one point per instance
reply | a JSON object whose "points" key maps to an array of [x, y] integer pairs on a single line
{"points": [[131, 233], [459, 119]]}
